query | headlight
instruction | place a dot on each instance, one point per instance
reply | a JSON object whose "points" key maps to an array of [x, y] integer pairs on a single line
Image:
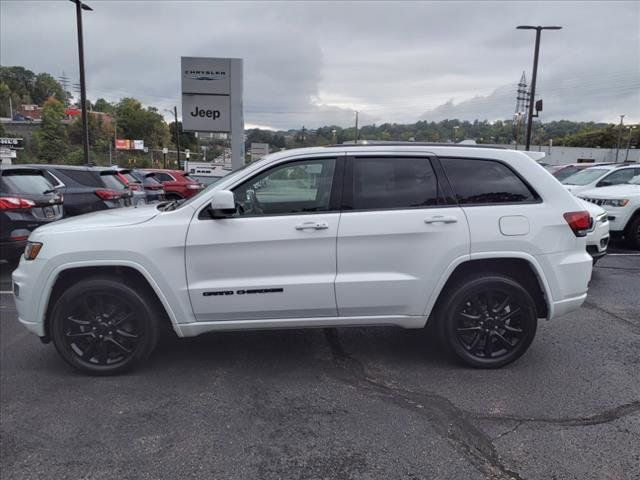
{"points": [[32, 250], [616, 203]]}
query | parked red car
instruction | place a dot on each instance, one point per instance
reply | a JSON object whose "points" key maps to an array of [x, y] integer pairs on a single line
{"points": [[177, 184]]}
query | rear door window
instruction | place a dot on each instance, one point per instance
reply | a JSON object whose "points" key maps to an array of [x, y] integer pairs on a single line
{"points": [[479, 182], [393, 183]]}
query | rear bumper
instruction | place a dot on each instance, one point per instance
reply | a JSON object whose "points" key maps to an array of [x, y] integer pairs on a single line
{"points": [[568, 275]]}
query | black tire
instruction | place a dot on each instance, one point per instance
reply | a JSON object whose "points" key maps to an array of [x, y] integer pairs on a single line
{"points": [[102, 326], [483, 314], [632, 233]]}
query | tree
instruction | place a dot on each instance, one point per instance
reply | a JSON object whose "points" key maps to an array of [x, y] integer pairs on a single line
{"points": [[138, 123], [102, 105], [52, 137], [188, 140], [46, 86]]}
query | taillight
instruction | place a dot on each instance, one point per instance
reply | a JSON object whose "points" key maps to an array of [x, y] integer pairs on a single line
{"points": [[105, 194], [579, 222], [194, 186], [13, 203], [134, 186]]}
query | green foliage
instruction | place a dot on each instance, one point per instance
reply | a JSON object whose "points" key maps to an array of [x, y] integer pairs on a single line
{"points": [[52, 137], [188, 140], [138, 123], [102, 105], [46, 86]]}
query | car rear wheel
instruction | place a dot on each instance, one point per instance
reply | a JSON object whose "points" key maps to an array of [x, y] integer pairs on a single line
{"points": [[487, 321], [102, 326]]}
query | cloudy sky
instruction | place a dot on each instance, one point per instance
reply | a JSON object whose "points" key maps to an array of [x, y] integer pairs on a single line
{"points": [[315, 63]]}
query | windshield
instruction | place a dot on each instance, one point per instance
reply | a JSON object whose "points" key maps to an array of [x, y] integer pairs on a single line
{"points": [[585, 176], [211, 186]]}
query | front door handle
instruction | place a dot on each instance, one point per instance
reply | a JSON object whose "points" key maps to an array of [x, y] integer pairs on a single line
{"points": [[441, 219], [312, 226]]}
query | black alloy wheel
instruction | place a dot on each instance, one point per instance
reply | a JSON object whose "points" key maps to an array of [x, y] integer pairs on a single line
{"points": [[103, 326], [488, 322]]}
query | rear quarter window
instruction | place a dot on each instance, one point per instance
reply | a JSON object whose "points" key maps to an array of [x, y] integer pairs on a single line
{"points": [[83, 178], [480, 182]]}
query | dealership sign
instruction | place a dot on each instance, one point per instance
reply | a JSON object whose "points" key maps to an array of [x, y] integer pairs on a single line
{"points": [[212, 99], [11, 143], [206, 113]]}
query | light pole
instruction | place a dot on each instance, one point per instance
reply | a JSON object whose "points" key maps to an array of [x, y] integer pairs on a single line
{"points": [[175, 116], [455, 131], [626, 157], [619, 137], [83, 88], [532, 97]]}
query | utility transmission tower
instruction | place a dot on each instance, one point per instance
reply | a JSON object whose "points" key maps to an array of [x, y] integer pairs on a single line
{"points": [[522, 102]]}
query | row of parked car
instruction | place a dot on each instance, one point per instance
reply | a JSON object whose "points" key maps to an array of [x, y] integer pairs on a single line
{"points": [[612, 194], [32, 195]]}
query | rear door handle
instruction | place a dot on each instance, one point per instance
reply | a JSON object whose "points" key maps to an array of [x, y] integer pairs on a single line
{"points": [[312, 226], [441, 219]]}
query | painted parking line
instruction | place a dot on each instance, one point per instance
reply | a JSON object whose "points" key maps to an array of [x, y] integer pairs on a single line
{"points": [[624, 254], [6, 292]]}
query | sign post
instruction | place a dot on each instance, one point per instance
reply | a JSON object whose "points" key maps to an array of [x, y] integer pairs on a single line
{"points": [[212, 100]]}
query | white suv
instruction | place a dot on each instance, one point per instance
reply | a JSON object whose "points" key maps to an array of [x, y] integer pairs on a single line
{"points": [[622, 203], [601, 176], [480, 242]]}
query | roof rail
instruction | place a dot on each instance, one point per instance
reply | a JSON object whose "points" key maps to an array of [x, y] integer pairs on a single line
{"points": [[377, 143]]}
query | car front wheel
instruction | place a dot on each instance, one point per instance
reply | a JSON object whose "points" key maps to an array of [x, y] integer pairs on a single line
{"points": [[487, 321], [103, 326]]}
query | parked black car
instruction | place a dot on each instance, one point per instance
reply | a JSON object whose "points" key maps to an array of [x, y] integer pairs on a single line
{"points": [[153, 189], [27, 200], [87, 189]]}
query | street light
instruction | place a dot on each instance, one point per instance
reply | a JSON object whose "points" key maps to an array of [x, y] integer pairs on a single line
{"points": [[455, 130], [83, 88], [175, 116], [619, 137], [538, 29]]}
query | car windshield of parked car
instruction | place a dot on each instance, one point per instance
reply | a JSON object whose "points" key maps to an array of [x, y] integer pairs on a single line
{"points": [[32, 183], [585, 176], [211, 187]]}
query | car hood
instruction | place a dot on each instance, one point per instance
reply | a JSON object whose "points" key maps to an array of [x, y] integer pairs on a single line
{"points": [[616, 191], [117, 217]]}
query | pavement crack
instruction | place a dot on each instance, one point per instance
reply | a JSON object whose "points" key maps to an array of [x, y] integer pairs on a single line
{"points": [[511, 430], [449, 421], [595, 419], [635, 328]]}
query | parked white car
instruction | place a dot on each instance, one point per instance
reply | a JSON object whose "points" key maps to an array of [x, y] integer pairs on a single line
{"points": [[601, 176], [482, 242], [598, 234], [622, 203]]}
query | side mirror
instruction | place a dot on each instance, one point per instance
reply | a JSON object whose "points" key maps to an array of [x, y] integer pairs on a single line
{"points": [[223, 204], [603, 183]]}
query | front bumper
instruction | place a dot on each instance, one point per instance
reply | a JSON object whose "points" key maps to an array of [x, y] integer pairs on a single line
{"points": [[28, 284]]}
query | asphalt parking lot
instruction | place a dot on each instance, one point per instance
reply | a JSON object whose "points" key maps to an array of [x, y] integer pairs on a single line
{"points": [[376, 403]]}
